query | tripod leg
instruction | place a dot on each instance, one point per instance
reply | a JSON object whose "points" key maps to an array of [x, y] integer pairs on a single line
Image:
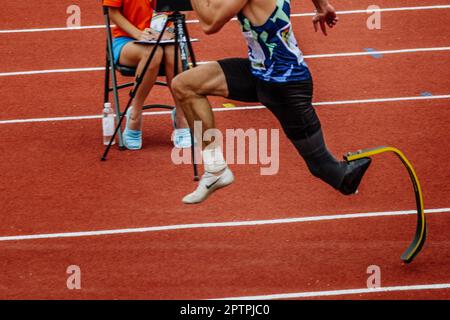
{"points": [[107, 81], [194, 163], [194, 64], [189, 44], [182, 41], [176, 54]]}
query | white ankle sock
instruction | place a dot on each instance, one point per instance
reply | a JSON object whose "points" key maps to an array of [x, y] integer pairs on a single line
{"points": [[213, 160]]}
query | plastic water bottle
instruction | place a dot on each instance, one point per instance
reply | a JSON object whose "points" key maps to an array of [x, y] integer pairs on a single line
{"points": [[108, 123]]}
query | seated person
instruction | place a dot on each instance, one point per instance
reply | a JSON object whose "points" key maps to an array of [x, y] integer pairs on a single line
{"points": [[133, 20]]}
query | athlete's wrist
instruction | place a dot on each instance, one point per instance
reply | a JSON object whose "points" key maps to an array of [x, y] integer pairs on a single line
{"points": [[321, 5]]}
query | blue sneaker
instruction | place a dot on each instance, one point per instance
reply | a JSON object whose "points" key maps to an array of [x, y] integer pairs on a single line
{"points": [[182, 138], [132, 138]]}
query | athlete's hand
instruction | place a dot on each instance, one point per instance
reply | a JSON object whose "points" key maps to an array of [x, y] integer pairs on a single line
{"points": [[324, 17]]}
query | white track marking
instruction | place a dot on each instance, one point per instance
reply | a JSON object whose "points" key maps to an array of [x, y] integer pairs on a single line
{"points": [[366, 53], [216, 225], [52, 29], [435, 7], [75, 118], [418, 8], [157, 113], [314, 294], [313, 56], [383, 100], [34, 72]]}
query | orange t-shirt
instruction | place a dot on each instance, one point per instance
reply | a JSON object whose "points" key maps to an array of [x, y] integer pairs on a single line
{"points": [[138, 12]]}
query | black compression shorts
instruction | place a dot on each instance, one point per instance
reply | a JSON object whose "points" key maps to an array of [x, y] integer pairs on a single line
{"points": [[290, 102]]}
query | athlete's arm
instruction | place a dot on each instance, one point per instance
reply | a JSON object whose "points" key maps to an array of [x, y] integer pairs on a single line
{"points": [[214, 14], [325, 15]]}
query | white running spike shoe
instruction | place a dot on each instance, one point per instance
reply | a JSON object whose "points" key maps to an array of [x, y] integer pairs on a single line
{"points": [[208, 184]]}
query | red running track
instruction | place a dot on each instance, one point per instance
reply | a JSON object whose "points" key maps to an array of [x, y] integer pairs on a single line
{"points": [[52, 180]]}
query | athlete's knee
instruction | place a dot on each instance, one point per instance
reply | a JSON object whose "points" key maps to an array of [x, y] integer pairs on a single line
{"points": [[299, 132], [182, 87]]}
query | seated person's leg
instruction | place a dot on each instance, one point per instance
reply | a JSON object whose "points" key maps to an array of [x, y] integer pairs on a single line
{"points": [[135, 55]]}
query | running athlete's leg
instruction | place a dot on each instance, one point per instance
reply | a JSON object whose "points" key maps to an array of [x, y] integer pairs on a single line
{"points": [[230, 78], [191, 89], [321, 163], [292, 105], [227, 78]]}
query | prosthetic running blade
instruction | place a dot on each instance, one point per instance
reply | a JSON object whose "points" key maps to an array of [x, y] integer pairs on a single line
{"points": [[421, 230]]}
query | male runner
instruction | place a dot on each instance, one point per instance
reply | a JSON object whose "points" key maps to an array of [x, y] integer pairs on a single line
{"points": [[276, 75]]}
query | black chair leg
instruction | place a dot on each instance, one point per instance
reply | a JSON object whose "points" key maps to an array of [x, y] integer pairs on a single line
{"points": [[107, 81]]}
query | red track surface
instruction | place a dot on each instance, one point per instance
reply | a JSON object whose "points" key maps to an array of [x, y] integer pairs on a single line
{"points": [[52, 180]]}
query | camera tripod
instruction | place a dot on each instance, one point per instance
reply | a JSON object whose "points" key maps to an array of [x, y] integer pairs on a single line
{"points": [[184, 51]]}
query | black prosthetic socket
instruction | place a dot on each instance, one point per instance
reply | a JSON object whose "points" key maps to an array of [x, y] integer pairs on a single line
{"points": [[319, 160]]}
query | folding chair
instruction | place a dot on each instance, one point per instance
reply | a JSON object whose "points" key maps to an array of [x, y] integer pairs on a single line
{"points": [[111, 83]]}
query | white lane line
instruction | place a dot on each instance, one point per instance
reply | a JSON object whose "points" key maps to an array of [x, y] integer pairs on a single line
{"points": [[75, 118], [313, 294], [216, 225], [343, 12], [34, 72], [7, 31], [383, 100], [157, 113], [365, 53], [417, 8], [434, 7], [312, 56]]}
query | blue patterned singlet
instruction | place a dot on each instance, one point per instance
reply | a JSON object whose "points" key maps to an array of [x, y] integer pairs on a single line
{"points": [[273, 49]]}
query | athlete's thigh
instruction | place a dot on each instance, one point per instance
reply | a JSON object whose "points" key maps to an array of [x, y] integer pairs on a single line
{"points": [[207, 80], [241, 83], [291, 103]]}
